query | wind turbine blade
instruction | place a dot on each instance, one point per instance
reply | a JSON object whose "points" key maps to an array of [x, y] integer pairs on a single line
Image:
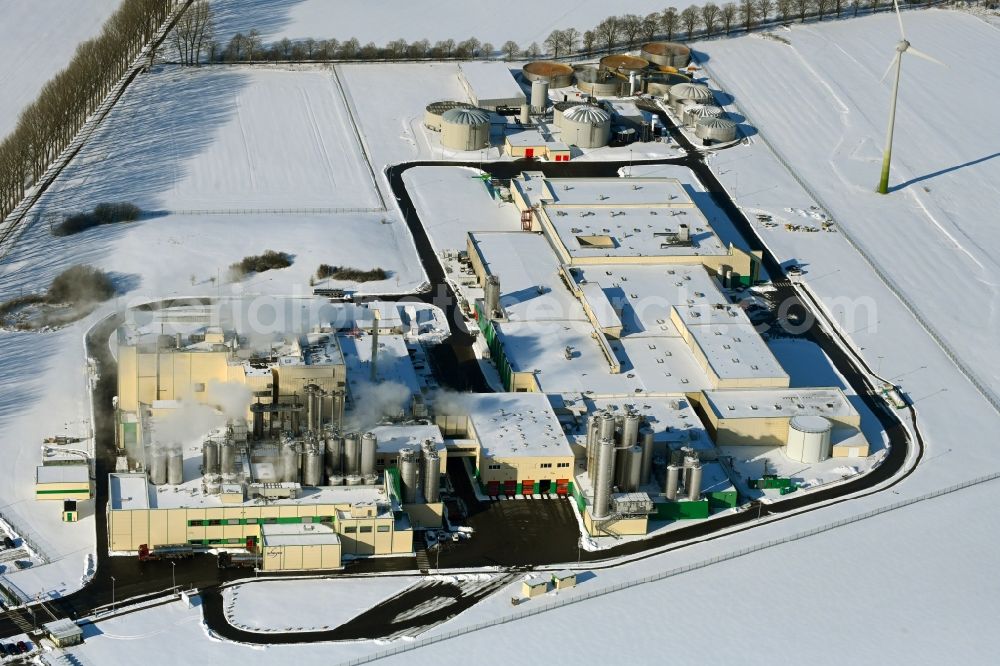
{"points": [[921, 54], [899, 17], [889, 68]]}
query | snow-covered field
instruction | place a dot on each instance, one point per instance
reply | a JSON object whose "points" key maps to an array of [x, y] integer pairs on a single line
{"points": [[288, 606], [523, 21], [223, 139], [934, 235], [37, 40]]}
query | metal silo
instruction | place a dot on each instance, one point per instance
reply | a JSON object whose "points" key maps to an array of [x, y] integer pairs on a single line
{"points": [[409, 460], [209, 457], [673, 481], [603, 478], [593, 427], [352, 454], [690, 460], [809, 439], [669, 54], [369, 445], [213, 484], [634, 469], [354, 480], [158, 466], [715, 129], [539, 96], [647, 455], [334, 454], [289, 461], [227, 458], [491, 296], [434, 111], [630, 429], [586, 126], [432, 476], [660, 83], [693, 114], [693, 487], [312, 466], [607, 426], [465, 129], [175, 467]]}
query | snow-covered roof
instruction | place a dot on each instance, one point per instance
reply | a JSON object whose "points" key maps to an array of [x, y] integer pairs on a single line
{"points": [[530, 286], [535, 188], [516, 425], [392, 438], [465, 116], [393, 363], [769, 403], [489, 82], [128, 491], [62, 474], [587, 113], [298, 534]]}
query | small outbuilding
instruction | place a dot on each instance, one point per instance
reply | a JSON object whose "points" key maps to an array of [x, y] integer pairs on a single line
{"points": [[534, 587], [64, 633], [564, 579]]}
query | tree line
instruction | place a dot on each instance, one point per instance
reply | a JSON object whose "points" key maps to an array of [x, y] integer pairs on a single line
{"points": [[614, 32], [49, 123]]}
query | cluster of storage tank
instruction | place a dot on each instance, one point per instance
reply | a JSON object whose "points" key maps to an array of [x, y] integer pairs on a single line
{"points": [[683, 470], [619, 455], [218, 464], [166, 465], [420, 473], [694, 105]]}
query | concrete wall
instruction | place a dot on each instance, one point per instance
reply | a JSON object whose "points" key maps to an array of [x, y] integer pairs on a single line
{"points": [[302, 557], [526, 468]]}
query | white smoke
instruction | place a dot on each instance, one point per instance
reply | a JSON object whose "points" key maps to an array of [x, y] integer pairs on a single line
{"points": [[193, 419], [373, 402]]}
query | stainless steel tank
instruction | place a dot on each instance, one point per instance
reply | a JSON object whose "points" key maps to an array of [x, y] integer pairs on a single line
{"points": [[175, 467], [354, 479], [634, 469], [621, 467], [289, 462], [213, 484], [336, 480], [673, 481], [369, 445], [408, 473], [312, 466], [158, 467], [352, 454], [693, 488], [334, 454], [227, 458], [592, 437], [607, 426], [647, 456], [210, 457], [690, 460], [603, 478], [539, 96], [630, 429], [432, 476]]}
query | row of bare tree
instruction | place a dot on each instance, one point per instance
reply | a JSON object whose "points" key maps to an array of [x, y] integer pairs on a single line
{"points": [[48, 125], [626, 31]]}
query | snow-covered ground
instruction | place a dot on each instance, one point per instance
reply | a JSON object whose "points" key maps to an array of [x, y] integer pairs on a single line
{"points": [[934, 234], [37, 40], [523, 21], [288, 606]]}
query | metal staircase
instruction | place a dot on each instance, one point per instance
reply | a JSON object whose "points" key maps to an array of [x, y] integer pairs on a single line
{"points": [[605, 525], [423, 562]]}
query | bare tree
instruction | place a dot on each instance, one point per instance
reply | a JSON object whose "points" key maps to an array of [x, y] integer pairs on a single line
{"points": [[349, 49], [874, 4], [510, 50], [748, 12], [709, 17], [631, 28], [488, 50], [589, 41], [571, 37], [822, 7], [838, 7], [764, 9], [803, 7], [254, 44], [533, 50], [650, 26], [396, 49], [608, 31], [193, 28], [669, 20], [690, 19], [784, 9], [554, 42], [727, 14], [419, 49]]}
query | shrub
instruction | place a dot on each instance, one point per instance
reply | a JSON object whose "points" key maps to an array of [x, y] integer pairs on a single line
{"points": [[259, 263], [103, 213], [79, 285], [351, 274]]}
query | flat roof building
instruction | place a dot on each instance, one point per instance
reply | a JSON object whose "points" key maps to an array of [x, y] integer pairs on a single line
{"points": [[63, 482], [490, 85]]}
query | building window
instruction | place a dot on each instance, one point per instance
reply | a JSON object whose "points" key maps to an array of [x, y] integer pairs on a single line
{"points": [[233, 521], [365, 529], [307, 519], [493, 467], [268, 521], [214, 523], [562, 464], [350, 529], [251, 521], [545, 465], [383, 528]]}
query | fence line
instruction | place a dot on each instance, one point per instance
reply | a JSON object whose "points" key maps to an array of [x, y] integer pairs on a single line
{"points": [[271, 211], [25, 535], [617, 587]]}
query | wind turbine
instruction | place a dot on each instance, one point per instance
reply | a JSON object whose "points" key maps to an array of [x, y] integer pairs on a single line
{"points": [[902, 47]]}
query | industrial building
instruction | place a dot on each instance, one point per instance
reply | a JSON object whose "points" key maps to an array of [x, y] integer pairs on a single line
{"points": [[533, 144], [435, 110], [490, 85], [63, 480]]}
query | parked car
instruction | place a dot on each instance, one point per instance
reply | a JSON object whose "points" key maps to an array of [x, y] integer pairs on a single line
{"points": [[22, 647], [3, 650], [8, 542]]}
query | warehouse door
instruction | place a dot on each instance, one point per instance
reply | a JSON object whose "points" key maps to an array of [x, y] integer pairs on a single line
{"points": [[510, 487], [493, 488], [562, 487], [529, 152], [544, 487], [528, 487]]}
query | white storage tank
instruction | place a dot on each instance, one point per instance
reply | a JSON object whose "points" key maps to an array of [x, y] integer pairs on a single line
{"points": [[434, 111], [465, 129], [809, 439], [715, 129], [586, 126], [539, 96], [690, 92], [696, 112]]}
